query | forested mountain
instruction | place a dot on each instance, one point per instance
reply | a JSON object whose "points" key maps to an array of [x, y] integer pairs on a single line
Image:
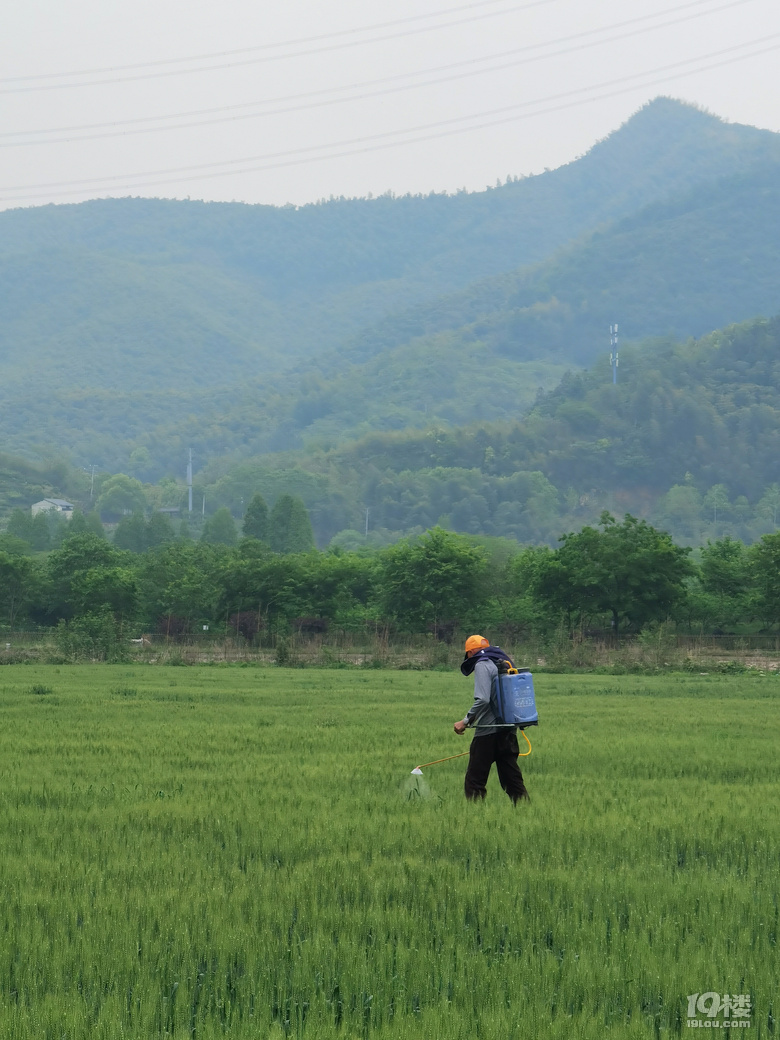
{"points": [[683, 266], [689, 437], [219, 286], [137, 328], [403, 362]]}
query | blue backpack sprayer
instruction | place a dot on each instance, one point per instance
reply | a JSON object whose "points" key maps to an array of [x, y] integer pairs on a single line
{"points": [[514, 704]]}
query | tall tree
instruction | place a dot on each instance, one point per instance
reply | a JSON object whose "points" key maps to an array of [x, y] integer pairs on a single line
{"points": [[439, 577], [256, 518], [290, 526], [17, 584], [112, 587], [725, 576], [180, 579], [717, 500], [724, 569], [159, 530], [33, 529], [121, 494], [769, 504], [77, 524], [64, 566], [629, 571], [130, 533], [220, 529], [764, 559]]}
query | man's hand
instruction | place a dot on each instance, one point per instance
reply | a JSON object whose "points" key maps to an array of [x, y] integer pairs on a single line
{"points": [[460, 727]]}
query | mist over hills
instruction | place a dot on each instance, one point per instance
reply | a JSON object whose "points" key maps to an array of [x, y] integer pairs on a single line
{"points": [[237, 330], [689, 438], [684, 266], [243, 265]]}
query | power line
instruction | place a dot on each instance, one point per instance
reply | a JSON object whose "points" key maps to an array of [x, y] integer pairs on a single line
{"points": [[358, 146], [260, 47], [267, 58], [116, 131], [429, 126]]}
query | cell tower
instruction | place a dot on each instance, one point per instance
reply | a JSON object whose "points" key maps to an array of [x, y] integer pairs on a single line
{"points": [[613, 354], [189, 480]]}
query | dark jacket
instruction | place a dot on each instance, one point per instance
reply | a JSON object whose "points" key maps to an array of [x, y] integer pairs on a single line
{"points": [[492, 653]]}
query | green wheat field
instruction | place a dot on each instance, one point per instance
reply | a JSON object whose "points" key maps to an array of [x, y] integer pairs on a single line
{"points": [[242, 852]]}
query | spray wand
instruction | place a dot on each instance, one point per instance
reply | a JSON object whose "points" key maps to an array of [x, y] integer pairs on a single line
{"points": [[417, 771]]}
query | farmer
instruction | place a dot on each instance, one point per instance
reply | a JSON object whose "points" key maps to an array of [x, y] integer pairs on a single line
{"points": [[490, 743]]}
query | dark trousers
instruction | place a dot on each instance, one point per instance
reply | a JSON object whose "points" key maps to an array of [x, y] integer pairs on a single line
{"points": [[501, 748]]}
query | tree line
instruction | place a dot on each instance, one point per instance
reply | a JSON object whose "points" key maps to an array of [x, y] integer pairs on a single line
{"points": [[617, 575]]}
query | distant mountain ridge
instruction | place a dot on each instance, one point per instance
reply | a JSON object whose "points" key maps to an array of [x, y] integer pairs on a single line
{"points": [[239, 329], [689, 438], [683, 267]]}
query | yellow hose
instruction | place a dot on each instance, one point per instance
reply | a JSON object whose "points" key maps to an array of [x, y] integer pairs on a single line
{"points": [[523, 754], [426, 764]]}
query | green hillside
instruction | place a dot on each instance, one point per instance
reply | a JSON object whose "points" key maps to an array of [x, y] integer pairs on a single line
{"points": [[352, 260], [685, 418], [689, 438], [685, 266]]}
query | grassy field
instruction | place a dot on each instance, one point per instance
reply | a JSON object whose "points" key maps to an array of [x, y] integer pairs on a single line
{"points": [[225, 851]]}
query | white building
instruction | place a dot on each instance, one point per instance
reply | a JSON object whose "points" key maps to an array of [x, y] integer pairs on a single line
{"points": [[58, 504]]}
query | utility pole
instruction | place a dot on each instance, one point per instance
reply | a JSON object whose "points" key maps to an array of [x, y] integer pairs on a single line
{"points": [[613, 355], [366, 521], [189, 480]]}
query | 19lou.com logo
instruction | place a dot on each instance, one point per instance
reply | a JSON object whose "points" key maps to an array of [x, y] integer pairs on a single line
{"points": [[721, 1012]]}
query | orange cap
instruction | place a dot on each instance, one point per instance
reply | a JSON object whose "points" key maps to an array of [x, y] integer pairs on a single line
{"points": [[475, 643]]}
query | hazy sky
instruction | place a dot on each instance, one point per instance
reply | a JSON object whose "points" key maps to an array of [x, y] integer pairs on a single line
{"points": [[297, 101]]}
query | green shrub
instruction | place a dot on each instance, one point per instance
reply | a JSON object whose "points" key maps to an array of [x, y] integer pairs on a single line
{"points": [[91, 637]]}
